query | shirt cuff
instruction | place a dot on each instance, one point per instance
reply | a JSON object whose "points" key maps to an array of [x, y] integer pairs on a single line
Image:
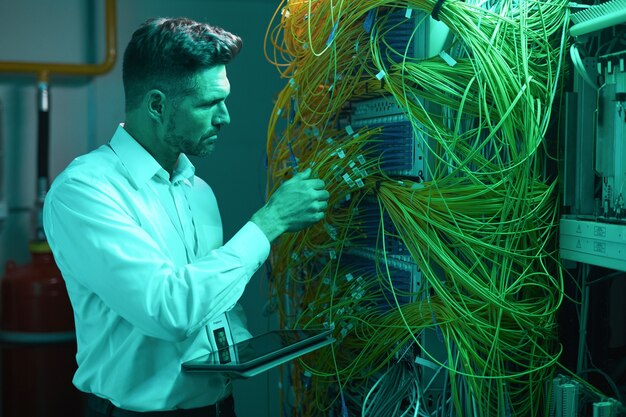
{"points": [[251, 244]]}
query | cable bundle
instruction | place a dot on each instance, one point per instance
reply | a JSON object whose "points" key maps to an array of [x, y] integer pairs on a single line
{"points": [[479, 223]]}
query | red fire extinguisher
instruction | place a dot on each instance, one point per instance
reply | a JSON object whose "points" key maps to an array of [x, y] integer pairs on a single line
{"points": [[38, 340]]}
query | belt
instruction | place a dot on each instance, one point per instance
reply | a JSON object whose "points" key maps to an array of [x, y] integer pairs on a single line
{"points": [[224, 407]]}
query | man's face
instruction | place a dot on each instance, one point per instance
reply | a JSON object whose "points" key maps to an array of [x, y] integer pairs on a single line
{"points": [[193, 125]]}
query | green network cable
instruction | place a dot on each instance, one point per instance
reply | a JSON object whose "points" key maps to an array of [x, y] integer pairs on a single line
{"points": [[480, 226]]}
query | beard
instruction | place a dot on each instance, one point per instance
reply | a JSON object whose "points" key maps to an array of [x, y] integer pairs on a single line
{"points": [[200, 146]]}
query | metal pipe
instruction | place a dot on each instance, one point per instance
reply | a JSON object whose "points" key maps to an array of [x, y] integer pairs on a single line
{"points": [[3, 206], [45, 69], [43, 150]]}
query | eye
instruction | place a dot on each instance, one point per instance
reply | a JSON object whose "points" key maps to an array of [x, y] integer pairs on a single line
{"points": [[213, 103]]}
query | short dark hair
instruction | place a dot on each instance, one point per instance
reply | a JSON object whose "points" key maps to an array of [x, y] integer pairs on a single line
{"points": [[166, 52]]}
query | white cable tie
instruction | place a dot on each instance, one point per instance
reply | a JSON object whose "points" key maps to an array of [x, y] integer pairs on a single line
{"points": [[359, 182], [380, 75], [361, 159], [329, 141], [408, 13], [340, 153], [446, 57], [349, 130]]}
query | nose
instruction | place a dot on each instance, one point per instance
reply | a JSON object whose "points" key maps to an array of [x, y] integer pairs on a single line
{"points": [[221, 116]]}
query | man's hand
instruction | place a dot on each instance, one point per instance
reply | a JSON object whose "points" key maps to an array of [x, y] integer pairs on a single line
{"points": [[298, 203]]}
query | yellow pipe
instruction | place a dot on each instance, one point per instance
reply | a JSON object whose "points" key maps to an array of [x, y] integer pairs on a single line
{"points": [[45, 69]]}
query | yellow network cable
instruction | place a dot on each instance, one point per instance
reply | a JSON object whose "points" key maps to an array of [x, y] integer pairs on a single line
{"points": [[480, 225]]}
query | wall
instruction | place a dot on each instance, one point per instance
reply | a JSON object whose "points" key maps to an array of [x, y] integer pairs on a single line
{"points": [[85, 112]]}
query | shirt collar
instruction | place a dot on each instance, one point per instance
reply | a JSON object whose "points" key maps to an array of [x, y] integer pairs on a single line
{"points": [[185, 171], [142, 166]]}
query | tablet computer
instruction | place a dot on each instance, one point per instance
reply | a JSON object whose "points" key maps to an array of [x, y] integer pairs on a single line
{"points": [[260, 353]]}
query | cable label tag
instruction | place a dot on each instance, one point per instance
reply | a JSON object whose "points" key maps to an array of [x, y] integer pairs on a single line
{"points": [[427, 363], [331, 37], [369, 21], [449, 60]]}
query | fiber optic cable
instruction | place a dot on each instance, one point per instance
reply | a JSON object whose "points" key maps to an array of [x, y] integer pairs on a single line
{"points": [[481, 227]]}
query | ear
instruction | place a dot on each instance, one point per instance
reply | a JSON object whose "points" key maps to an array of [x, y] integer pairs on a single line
{"points": [[154, 104]]}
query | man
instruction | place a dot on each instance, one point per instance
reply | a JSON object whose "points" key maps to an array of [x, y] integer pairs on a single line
{"points": [[138, 236]]}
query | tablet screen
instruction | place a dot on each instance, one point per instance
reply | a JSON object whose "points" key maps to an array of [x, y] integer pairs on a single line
{"points": [[259, 349]]}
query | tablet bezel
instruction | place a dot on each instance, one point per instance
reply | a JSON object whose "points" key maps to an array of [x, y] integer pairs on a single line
{"points": [[315, 338]]}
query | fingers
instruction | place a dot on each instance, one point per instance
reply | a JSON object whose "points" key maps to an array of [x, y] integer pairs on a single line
{"points": [[316, 183], [307, 181], [301, 201], [303, 175], [319, 195]]}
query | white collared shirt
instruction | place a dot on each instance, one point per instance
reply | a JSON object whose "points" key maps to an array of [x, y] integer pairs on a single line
{"points": [[145, 268]]}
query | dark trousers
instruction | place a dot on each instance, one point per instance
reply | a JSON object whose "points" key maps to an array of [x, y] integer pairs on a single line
{"points": [[99, 407]]}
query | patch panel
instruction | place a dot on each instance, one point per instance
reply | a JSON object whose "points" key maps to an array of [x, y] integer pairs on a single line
{"points": [[596, 243], [399, 146], [398, 281], [371, 223]]}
